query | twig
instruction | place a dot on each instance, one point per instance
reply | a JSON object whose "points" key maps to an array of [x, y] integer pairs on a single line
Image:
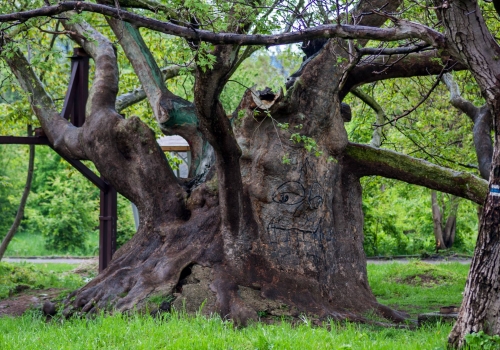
{"points": [[436, 83]]}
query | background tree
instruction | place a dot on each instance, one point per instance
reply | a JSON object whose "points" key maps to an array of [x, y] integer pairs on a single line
{"points": [[22, 204], [246, 228]]}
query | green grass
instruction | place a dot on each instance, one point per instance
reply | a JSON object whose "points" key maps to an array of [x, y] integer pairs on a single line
{"points": [[418, 287], [36, 277], [52, 267], [197, 332], [31, 244], [394, 284]]}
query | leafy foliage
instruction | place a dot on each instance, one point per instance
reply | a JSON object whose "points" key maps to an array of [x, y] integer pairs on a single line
{"points": [[398, 219], [63, 206], [481, 340]]}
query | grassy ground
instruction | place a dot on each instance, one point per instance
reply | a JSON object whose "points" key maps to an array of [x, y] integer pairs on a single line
{"points": [[418, 287], [413, 287], [184, 332], [23, 276], [30, 244]]}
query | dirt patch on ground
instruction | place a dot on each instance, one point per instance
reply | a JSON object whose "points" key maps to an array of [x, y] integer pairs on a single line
{"points": [[422, 280], [17, 304]]}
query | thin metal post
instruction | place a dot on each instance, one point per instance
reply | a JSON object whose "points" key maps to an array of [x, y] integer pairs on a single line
{"points": [[78, 88], [80, 60], [107, 226]]}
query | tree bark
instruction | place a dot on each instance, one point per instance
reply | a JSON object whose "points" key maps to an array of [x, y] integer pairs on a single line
{"points": [[437, 219], [450, 228], [481, 117], [474, 45], [22, 204], [444, 232]]}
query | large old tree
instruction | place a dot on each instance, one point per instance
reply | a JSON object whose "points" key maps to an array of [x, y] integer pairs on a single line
{"points": [[271, 211]]}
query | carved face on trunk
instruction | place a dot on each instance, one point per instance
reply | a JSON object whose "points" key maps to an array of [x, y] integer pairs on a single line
{"points": [[296, 214], [298, 202]]}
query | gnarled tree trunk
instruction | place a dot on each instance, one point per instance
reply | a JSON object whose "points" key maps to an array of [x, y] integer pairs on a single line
{"points": [[260, 233]]}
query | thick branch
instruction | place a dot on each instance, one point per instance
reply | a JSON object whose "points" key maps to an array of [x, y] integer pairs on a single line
{"points": [[144, 65], [137, 95], [61, 133], [376, 140], [103, 92], [402, 30], [363, 13], [151, 5], [457, 100], [481, 117], [381, 68], [392, 51], [174, 114], [366, 160]]}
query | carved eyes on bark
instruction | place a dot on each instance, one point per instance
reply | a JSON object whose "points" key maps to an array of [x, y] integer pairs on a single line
{"points": [[293, 193], [289, 193]]}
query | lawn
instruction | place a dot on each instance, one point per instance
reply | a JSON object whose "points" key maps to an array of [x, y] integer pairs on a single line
{"points": [[26, 276], [413, 287], [418, 287], [31, 244]]}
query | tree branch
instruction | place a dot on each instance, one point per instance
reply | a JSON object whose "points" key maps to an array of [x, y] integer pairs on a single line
{"points": [[422, 100], [145, 67], [393, 51], [137, 95], [24, 198], [363, 13], [481, 117], [175, 115], [376, 140], [417, 64], [402, 29], [151, 5], [104, 89], [60, 132], [365, 160], [457, 100]]}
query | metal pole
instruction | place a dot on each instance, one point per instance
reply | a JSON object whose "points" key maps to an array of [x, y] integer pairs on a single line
{"points": [[80, 59], [107, 226]]}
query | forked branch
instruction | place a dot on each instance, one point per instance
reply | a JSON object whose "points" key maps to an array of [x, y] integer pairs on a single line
{"points": [[481, 117], [61, 133], [104, 89]]}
